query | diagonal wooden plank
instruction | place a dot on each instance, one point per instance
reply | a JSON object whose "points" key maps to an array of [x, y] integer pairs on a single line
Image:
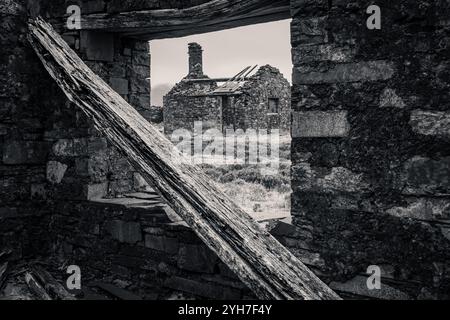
{"points": [[257, 258]]}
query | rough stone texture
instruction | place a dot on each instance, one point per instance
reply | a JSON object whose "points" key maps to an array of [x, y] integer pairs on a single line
{"points": [[247, 108], [195, 61], [389, 98], [431, 123], [26, 100], [378, 194], [425, 176], [352, 72], [48, 150], [169, 258], [320, 124], [55, 171], [128, 232], [252, 107], [187, 103]]}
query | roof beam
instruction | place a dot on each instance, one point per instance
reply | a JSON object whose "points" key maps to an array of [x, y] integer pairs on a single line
{"points": [[168, 23]]}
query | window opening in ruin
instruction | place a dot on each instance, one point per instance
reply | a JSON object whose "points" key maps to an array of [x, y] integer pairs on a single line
{"points": [[239, 81], [274, 104]]}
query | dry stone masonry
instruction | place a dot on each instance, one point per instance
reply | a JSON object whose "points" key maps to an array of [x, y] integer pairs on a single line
{"points": [[370, 151], [262, 101]]}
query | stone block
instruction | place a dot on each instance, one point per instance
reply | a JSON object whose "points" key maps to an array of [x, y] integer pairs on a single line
{"points": [[140, 86], [127, 52], [95, 145], [126, 232], [423, 209], [309, 31], [141, 46], [141, 59], [117, 70], [139, 183], [142, 104], [317, 124], [446, 232], [38, 192], [140, 72], [70, 147], [98, 167], [423, 176], [96, 191], [162, 243], [98, 46], [431, 123], [56, 171], [306, 53], [338, 180], [350, 72], [283, 229], [63, 147], [389, 98], [24, 152], [119, 85], [197, 258]]}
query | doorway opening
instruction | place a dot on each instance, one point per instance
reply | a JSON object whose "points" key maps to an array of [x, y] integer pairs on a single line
{"points": [[236, 80]]}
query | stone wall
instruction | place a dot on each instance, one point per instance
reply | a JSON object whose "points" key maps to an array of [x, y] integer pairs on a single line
{"points": [[189, 102], [141, 250], [25, 100], [48, 149], [371, 144], [92, 167], [252, 107], [370, 154]]}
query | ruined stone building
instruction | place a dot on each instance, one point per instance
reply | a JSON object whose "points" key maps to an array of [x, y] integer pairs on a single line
{"points": [[260, 101], [370, 150]]}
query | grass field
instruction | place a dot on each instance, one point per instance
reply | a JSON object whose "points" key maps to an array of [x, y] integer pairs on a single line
{"points": [[264, 196]]}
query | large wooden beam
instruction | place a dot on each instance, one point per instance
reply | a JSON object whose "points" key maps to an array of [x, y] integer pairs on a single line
{"points": [[257, 258], [211, 16]]}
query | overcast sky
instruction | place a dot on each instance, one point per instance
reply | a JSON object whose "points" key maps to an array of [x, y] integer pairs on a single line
{"points": [[225, 53]]}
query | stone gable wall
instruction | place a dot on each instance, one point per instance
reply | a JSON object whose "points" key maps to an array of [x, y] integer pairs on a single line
{"points": [[252, 107]]}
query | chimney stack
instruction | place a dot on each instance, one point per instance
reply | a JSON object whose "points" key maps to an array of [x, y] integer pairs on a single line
{"points": [[195, 60]]}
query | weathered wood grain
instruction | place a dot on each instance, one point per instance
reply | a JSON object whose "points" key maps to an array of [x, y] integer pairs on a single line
{"points": [[257, 258], [3, 274], [167, 23]]}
